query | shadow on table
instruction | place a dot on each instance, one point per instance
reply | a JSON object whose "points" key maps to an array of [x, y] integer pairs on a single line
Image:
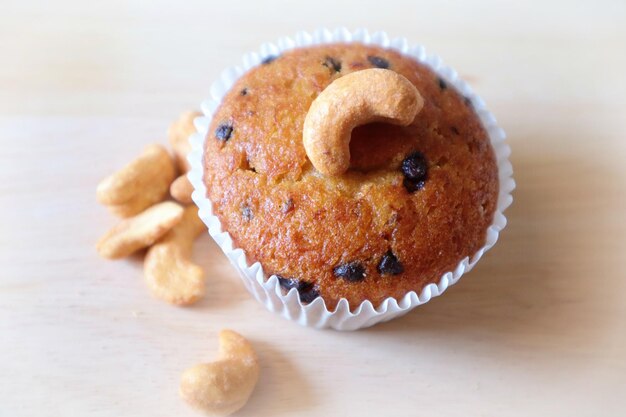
{"points": [[282, 387], [536, 287], [224, 287]]}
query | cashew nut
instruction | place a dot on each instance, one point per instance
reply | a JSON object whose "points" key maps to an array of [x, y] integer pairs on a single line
{"points": [[140, 184], [168, 270], [178, 135], [181, 189], [131, 207], [222, 387], [372, 95], [140, 231]]}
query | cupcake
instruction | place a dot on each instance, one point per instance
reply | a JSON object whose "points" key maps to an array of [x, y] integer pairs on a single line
{"points": [[347, 179]]}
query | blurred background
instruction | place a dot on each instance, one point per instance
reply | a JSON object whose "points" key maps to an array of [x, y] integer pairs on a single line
{"points": [[536, 329], [83, 56]]}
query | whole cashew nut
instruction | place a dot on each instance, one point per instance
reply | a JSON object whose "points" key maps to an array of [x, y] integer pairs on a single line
{"points": [[169, 272], [140, 184], [181, 190], [178, 136], [139, 231], [222, 387], [371, 95]]}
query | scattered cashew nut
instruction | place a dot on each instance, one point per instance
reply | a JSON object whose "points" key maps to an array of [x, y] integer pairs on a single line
{"points": [[372, 95], [140, 184], [178, 135], [169, 273], [130, 208], [181, 189], [139, 231], [222, 387]]}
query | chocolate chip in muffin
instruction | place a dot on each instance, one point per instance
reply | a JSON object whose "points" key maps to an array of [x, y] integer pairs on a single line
{"points": [[390, 265], [415, 170], [244, 91], [287, 283], [307, 291], [378, 62], [246, 212], [415, 167], [467, 101], [332, 64], [413, 186], [224, 132], [352, 271], [269, 59], [442, 84], [454, 130]]}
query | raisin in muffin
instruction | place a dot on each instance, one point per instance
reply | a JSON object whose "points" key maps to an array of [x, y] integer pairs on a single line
{"points": [[416, 200]]}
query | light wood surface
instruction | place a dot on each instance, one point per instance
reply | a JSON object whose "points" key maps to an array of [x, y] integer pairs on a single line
{"points": [[537, 329]]}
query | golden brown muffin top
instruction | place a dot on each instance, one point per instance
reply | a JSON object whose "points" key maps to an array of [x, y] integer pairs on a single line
{"points": [[376, 231]]}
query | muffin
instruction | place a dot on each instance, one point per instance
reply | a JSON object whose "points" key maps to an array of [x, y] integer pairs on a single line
{"points": [[415, 202]]}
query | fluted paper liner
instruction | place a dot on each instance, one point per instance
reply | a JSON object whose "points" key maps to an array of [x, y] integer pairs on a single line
{"points": [[267, 290]]}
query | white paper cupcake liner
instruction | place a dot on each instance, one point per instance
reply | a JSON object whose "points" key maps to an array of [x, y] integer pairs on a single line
{"points": [[267, 290]]}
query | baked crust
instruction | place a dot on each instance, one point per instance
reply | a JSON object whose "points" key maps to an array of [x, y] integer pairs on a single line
{"points": [[300, 224]]}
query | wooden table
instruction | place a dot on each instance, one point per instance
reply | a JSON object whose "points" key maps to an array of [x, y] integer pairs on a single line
{"points": [[537, 329]]}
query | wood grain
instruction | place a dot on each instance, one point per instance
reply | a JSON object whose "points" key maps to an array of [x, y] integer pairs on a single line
{"points": [[536, 329]]}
